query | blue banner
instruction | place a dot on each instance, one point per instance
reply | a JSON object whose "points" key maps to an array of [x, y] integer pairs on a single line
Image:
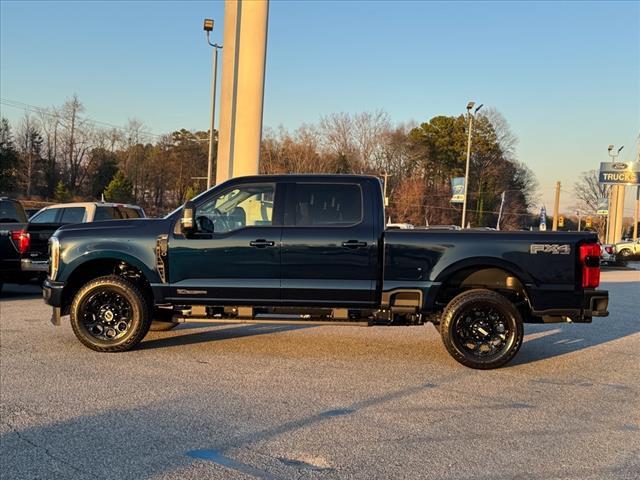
{"points": [[457, 190]]}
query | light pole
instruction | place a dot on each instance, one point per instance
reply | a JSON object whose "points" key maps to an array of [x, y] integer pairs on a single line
{"points": [[208, 28], [470, 106]]}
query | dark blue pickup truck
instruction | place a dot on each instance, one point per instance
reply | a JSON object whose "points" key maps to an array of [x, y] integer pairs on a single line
{"points": [[313, 248]]}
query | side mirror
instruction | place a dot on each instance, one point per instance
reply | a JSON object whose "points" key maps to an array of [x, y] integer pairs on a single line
{"points": [[188, 220]]}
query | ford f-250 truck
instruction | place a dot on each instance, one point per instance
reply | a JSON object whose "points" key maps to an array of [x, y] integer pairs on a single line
{"points": [[313, 248]]}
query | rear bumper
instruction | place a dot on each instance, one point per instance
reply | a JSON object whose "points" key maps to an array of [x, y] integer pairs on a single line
{"points": [[28, 265], [594, 303]]}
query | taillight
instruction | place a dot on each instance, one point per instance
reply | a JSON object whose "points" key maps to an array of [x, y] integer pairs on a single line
{"points": [[22, 240], [590, 261]]}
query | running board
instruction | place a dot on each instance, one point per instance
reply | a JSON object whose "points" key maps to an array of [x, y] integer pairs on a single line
{"points": [[181, 319]]}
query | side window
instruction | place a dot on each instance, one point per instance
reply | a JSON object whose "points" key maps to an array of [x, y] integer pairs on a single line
{"points": [[337, 204], [104, 213], [243, 206], [128, 212], [46, 216], [73, 215]]}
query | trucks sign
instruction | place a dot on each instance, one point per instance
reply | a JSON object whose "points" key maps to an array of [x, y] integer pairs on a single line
{"points": [[620, 173]]}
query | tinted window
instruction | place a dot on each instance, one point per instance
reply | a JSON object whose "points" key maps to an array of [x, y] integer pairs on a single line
{"points": [[46, 216], [11, 212], [128, 212], [318, 204], [73, 215], [243, 206], [105, 213]]}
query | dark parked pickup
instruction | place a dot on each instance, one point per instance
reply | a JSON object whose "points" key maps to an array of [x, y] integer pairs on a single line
{"points": [[35, 255], [13, 241], [313, 248]]}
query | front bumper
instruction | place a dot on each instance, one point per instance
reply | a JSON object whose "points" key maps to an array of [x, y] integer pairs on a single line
{"points": [[28, 265], [52, 293]]}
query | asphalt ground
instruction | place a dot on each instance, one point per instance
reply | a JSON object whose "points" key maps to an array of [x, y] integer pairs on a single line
{"points": [[303, 402]]}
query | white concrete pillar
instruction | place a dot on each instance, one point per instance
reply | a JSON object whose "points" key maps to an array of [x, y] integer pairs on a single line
{"points": [[242, 93], [616, 211]]}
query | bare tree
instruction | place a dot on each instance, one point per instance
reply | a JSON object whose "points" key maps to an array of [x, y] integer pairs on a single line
{"points": [[589, 190], [76, 140], [29, 143]]}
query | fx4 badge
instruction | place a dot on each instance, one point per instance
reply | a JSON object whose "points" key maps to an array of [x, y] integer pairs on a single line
{"points": [[552, 248]]}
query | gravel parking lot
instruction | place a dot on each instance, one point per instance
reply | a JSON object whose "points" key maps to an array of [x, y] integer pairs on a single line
{"points": [[298, 402]]}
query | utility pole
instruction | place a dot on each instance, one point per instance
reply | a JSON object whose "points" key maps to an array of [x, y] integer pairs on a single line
{"points": [[556, 207], [386, 199], [579, 220], [470, 105], [208, 27], [500, 212], [635, 214]]}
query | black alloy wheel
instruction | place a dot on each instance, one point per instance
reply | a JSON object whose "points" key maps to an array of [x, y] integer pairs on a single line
{"points": [[482, 329], [110, 314]]}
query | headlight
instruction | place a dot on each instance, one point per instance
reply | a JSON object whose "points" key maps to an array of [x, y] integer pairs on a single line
{"points": [[54, 257]]}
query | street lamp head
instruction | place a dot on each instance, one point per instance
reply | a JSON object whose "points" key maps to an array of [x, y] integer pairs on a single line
{"points": [[208, 25], [620, 149], [479, 107], [470, 105], [610, 147]]}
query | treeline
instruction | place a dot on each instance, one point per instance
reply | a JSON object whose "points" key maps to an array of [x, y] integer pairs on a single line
{"points": [[58, 155], [419, 162]]}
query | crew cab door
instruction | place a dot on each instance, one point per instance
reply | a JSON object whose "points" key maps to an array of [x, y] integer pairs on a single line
{"points": [[234, 256], [328, 246]]}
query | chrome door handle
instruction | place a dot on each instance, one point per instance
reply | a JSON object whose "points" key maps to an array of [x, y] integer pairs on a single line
{"points": [[354, 244], [262, 243]]}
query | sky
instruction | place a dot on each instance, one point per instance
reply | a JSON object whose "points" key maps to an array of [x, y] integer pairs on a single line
{"points": [[565, 75]]}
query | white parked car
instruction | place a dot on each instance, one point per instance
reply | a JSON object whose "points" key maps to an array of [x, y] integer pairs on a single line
{"points": [[628, 250], [607, 254], [399, 226]]}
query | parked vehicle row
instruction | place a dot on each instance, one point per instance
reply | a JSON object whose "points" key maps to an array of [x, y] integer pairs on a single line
{"points": [[24, 239]]}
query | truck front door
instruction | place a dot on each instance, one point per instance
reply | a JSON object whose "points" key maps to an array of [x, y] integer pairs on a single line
{"points": [[328, 246], [234, 257]]}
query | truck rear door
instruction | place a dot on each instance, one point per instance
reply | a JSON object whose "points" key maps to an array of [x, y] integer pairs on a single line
{"points": [[328, 245]]}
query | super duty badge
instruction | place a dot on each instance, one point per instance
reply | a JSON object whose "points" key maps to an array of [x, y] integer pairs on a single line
{"points": [[552, 248]]}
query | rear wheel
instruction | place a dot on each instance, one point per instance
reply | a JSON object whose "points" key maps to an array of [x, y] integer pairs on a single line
{"points": [[110, 314], [481, 329]]}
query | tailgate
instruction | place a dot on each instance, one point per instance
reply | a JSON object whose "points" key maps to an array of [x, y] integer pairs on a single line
{"points": [[40, 234]]}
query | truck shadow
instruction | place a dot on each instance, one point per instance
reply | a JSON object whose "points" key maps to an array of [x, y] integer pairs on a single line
{"points": [[554, 340], [236, 331], [11, 292]]}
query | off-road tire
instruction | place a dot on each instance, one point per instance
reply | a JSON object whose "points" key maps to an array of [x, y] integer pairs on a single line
{"points": [[140, 321], [509, 312]]}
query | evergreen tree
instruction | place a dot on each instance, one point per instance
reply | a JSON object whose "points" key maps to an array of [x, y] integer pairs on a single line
{"points": [[120, 189], [8, 158], [61, 193]]}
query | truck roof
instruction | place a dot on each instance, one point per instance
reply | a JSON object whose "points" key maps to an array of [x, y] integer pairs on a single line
{"points": [[85, 204]]}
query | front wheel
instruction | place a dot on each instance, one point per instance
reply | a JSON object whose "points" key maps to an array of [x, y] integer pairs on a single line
{"points": [[625, 253], [481, 329], [110, 314]]}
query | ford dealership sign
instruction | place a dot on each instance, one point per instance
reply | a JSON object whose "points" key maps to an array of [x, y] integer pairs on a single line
{"points": [[620, 173]]}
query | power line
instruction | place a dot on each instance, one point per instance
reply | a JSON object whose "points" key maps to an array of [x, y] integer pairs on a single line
{"points": [[46, 111]]}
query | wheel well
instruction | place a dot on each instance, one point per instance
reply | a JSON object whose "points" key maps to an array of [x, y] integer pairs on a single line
{"points": [[491, 278], [99, 268]]}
